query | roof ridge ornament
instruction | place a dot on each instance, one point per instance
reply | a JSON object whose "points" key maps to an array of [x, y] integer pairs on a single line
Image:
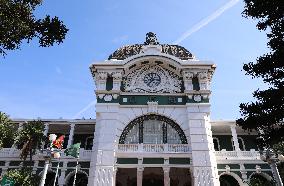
{"points": [[151, 39]]}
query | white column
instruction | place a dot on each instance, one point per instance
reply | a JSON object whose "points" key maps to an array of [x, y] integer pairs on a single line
{"points": [[139, 175], [35, 166], [244, 174], [61, 179], [71, 134], [46, 128], [4, 169], [204, 164], [167, 180], [114, 176], [235, 138]]}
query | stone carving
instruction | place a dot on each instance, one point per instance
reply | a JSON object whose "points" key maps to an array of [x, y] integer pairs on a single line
{"points": [[228, 169], [151, 39], [101, 96], [187, 75], [203, 80], [202, 75], [197, 98], [152, 79], [117, 76], [101, 75], [152, 106], [257, 169], [108, 97], [115, 96]]}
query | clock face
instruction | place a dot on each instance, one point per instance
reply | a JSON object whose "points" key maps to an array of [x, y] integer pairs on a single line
{"points": [[152, 79]]}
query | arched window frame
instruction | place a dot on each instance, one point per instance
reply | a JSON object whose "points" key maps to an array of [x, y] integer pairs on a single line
{"points": [[139, 121], [240, 139], [218, 143], [86, 141]]}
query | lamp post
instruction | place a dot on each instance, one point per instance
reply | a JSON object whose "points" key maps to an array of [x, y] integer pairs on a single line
{"points": [[270, 157]]}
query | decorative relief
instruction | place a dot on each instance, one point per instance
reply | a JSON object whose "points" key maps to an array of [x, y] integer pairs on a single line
{"points": [[152, 106], [151, 39], [117, 76], [101, 75], [108, 98], [187, 75], [228, 169], [203, 80], [197, 98], [152, 79]]}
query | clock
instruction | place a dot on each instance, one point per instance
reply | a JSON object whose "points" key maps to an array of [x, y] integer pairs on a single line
{"points": [[152, 79]]}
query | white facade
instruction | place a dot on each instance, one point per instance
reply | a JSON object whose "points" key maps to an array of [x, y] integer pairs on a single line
{"points": [[153, 81]]}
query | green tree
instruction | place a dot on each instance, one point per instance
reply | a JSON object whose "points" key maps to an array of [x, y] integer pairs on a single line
{"points": [[18, 23], [7, 131], [267, 112], [23, 177], [30, 138]]}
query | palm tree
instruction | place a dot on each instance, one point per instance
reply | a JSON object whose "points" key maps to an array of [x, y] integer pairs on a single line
{"points": [[7, 131], [30, 138]]}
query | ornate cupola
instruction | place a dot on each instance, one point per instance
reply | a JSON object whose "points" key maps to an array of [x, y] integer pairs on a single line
{"points": [[139, 73]]}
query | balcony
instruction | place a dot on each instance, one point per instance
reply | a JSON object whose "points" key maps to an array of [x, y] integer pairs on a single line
{"points": [[153, 148], [12, 153], [237, 155]]}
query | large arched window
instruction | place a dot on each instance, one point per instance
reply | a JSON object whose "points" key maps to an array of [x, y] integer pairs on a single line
{"points": [[152, 129]]}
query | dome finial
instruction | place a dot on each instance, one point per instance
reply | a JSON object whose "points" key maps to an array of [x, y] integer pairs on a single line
{"points": [[151, 39]]}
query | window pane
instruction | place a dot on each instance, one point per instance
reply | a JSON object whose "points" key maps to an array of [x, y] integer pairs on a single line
{"points": [[172, 135], [133, 135], [153, 132]]}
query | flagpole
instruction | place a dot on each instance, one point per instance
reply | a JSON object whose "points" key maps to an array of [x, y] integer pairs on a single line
{"points": [[74, 181], [56, 174]]}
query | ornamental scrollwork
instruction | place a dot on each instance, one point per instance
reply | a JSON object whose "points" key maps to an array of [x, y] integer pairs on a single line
{"points": [[101, 75], [117, 76], [152, 79]]}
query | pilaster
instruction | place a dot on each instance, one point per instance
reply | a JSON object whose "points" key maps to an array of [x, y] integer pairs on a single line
{"points": [[71, 134], [140, 176], [204, 165], [103, 158]]}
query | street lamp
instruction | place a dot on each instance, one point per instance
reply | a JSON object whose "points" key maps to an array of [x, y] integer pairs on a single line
{"points": [[271, 158]]}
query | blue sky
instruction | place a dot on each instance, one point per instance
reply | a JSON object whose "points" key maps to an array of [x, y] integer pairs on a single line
{"points": [[56, 82]]}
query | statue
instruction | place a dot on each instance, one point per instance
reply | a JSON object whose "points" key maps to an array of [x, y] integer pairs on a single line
{"points": [[151, 39]]}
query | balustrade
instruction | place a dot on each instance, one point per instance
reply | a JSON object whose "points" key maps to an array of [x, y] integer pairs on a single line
{"points": [[223, 154], [154, 148]]}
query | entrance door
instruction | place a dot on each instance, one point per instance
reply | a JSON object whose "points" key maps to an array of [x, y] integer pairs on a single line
{"points": [[153, 177]]}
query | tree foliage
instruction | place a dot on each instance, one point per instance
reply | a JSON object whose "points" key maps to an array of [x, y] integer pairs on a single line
{"points": [[7, 131], [266, 113], [23, 177], [30, 138], [18, 23]]}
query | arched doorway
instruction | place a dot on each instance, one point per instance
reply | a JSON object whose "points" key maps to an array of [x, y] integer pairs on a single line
{"points": [[259, 179], [81, 179], [153, 177], [152, 129], [228, 180]]}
